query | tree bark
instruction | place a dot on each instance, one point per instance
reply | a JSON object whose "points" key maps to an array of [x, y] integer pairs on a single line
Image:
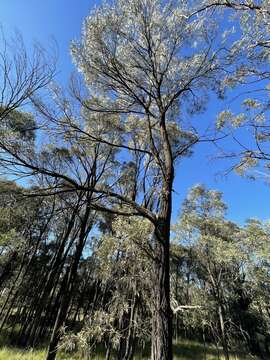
{"points": [[223, 333], [162, 314], [162, 332]]}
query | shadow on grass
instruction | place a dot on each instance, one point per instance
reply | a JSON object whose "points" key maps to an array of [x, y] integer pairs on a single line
{"points": [[190, 350], [183, 350]]}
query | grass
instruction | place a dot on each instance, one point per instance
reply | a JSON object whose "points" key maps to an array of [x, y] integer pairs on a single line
{"points": [[184, 350], [16, 354], [192, 350]]}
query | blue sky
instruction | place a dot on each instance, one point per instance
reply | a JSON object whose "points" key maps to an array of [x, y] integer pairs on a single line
{"points": [[62, 19], [42, 20]]}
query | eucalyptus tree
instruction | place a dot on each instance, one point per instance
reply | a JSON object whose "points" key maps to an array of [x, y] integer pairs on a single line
{"points": [[42, 150], [121, 318], [218, 256], [246, 38], [227, 277], [22, 73], [26, 222], [48, 246], [12, 228], [144, 63], [257, 265]]}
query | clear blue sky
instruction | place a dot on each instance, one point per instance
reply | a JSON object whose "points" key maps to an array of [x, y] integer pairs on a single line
{"points": [[39, 20]]}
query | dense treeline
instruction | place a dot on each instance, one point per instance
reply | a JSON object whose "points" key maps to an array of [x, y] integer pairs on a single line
{"points": [[88, 254], [219, 275]]}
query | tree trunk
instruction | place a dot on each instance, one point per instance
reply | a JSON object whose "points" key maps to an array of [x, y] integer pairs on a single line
{"points": [[223, 333], [108, 351], [68, 286], [60, 319], [47, 284], [162, 314], [127, 341]]}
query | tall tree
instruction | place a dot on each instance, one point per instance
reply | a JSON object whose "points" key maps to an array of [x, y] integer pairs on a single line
{"points": [[142, 62], [146, 65]]}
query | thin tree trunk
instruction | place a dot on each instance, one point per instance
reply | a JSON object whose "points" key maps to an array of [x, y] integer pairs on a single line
{"points": [[41, 305], [67, 288], [108, 351], [223, 333], [130, 337], [126, 348]]}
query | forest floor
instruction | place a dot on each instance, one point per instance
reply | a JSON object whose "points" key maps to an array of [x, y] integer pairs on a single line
{"points": [[183, 350]]}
